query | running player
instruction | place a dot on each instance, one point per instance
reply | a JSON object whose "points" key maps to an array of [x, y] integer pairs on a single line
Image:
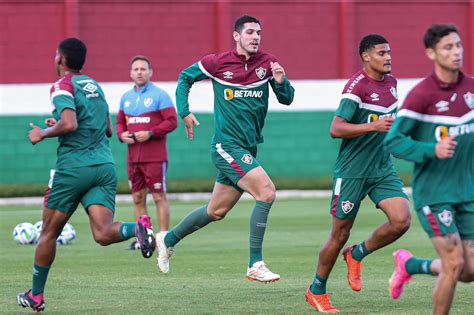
{"points": [[435, 129], [240, 79], [85, 169], [365, 113]]}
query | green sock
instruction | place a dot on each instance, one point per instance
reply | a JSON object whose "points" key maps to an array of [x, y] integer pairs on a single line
{"points": [[194, 221], [258, 224], [360, 251], [416, 265], [40, 275], [127, 230], [319, 285]]}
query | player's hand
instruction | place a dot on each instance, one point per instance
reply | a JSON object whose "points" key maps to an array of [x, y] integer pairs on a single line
{"points": [[445, 148], [127, 137], [189, 122], [142, 136], [35, 134], [384, 124], [277, 71], [50, 122]]}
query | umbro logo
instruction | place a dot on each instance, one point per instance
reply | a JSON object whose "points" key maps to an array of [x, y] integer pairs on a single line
{"points": [[442, 106], [89, 87], [374, 97], [228, 75]]}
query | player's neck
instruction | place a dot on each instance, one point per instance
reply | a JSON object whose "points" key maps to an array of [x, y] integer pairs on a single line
{"points": [[446, 76], [243, 52], [374, 75]]}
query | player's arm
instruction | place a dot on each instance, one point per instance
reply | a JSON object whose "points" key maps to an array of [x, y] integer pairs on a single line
{"points": [[280, 84], [66, 124], [186, 79], [341, 128], [108, 131], [399, 143], [121, 126]]}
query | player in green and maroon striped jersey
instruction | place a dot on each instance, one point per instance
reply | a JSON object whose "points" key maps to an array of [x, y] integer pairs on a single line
{"points": [[241, 80], [435, 129]]}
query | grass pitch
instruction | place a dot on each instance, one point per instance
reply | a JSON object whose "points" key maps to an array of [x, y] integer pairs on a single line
{"points": [[207, 274]]}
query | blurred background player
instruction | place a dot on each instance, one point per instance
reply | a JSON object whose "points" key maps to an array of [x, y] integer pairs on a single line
{"points": [[365, 113], [85, 169], [145, 117], [435, 130], [240, 80]]}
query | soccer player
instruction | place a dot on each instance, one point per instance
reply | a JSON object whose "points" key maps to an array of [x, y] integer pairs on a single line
{"points": [[240, 79], [85, 170], [435, 129], [366, 112], [145, 117]]}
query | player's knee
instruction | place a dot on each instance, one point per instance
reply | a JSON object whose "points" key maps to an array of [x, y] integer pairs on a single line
{"points": [[453, 266], [139, 199], [341, 235], [268, 195], [161, 197], [467, 275], [402, 225]]}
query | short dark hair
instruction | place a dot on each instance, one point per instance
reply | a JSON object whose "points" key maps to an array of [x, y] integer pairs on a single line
{"points": [[369, 41], [75, 51], [239, 23], [140, 57], [437, 31]]}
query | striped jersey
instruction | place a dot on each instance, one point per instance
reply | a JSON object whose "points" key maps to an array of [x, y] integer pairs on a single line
{"points": [[431, 111], [240, 94], [366, 100]]}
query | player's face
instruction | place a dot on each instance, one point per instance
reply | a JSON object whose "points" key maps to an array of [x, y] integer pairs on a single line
{"points": [[140, 72], [248, 40], [447, 52], [57, 63], [379, 58]]}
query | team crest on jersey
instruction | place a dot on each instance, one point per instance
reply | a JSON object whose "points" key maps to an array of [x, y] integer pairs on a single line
{"points": [[247, 159], [347, 206], [261, 72], [393, 90], [446, 217], [469, 99], [147, 101], [126, 104]]}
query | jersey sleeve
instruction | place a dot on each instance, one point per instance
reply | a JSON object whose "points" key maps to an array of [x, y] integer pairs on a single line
{"points": [[62, 96], [284, 91], [187, 77], [347, 107], [399, 141], [169, 120]]}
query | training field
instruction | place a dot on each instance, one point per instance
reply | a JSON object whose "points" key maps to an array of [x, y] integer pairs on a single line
{"points": [[208, 270]]}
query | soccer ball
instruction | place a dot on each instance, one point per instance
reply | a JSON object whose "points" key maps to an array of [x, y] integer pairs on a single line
{"points": [[38, 226], [24, 233], [67, 235]]}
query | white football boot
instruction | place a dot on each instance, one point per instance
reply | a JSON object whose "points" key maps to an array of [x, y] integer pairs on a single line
{"points": [[164, 253], [260, 272]]}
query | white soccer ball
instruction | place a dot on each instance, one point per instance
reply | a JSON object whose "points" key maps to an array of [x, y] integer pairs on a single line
{"points": [[38, 226], [67, 235], [24, 233]]}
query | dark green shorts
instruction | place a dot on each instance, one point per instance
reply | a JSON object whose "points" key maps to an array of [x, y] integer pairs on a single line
{"points": [[233, 162], [88, 185], [348, 193], [447, 218]]}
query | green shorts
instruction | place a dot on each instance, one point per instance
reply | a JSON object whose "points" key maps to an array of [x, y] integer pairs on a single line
{"points": [[233, 162], [348, 193], [88, 185], [447, 218]]}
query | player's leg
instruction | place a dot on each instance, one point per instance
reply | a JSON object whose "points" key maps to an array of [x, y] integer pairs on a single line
{"points": [[60, 201], [136, 181], [99, 202], [449, 248], [397, 210], [155, 177], [258, 184], [223, 199], [465, 223]]}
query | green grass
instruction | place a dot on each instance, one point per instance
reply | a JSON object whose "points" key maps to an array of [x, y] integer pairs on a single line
{"points": [[208, 269]]}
